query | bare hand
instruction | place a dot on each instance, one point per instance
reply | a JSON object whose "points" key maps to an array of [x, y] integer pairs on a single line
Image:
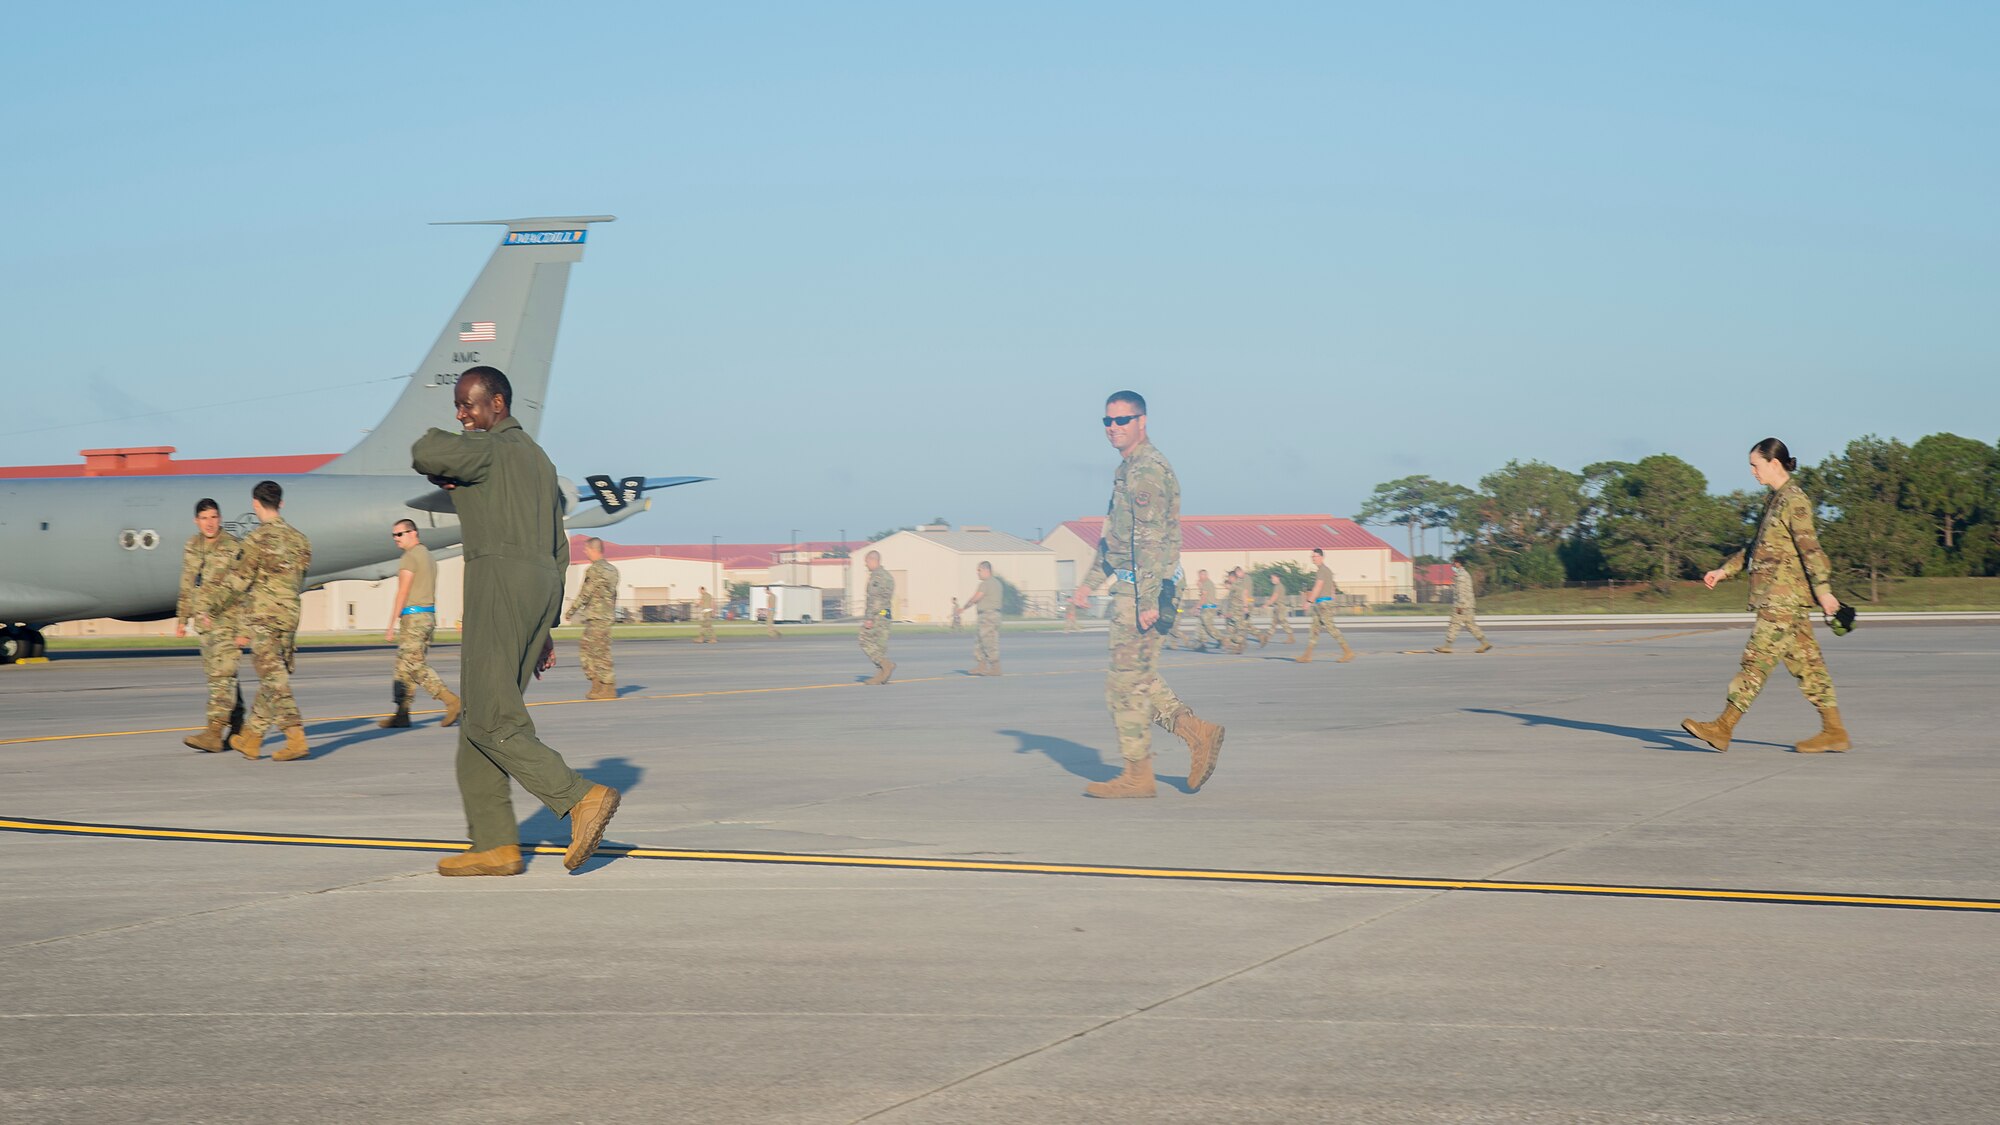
{"points": [[445, 483], [548, 660], [1148, 618], [1081, 599], [1711, 578], [1830, 604], [389, 634], [180, 629]]}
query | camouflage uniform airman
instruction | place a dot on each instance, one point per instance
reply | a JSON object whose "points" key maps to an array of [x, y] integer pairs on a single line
{"points": [[957, 625], [705, 610], [1206, 634], [1238, 600], [204, 560], [595, 606], [1140, 550], [1323, 611], [986, 650], [771, 614], [1787, 572], [1281, 613], [261, 588], [415, 626], [1462, 617], [875, 623]]}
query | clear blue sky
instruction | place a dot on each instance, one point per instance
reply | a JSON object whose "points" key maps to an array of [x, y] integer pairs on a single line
{"points": [[878, 262]]}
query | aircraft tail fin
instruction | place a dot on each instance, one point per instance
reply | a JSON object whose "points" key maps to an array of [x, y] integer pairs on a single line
{"points": [[507, 320]]}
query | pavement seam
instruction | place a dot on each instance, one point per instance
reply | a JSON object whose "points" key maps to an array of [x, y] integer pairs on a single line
{"points": [[1145, 1008], [148, 923]]}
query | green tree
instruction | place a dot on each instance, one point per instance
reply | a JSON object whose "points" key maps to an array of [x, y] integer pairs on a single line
{"points": [[1295, 578], [1872, 534], [1657, 520], [739, 591], [1951, 481], [1518, 520], [1407, 501]]}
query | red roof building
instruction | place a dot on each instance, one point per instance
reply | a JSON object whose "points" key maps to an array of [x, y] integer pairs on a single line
{"points": [[158, 461]]}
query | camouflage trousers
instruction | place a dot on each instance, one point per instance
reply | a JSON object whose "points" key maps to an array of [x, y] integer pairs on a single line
{"points": [[956, 625], [875, 638], [1133, 690], [1322, 622], [1281, 618], [593, 651], [413, 644], [771, 628], [272, 648], [219, 660], [986, 650], [1782, 633], [707, 629], [1206, 633], [1235, 630], [1462, 619]]}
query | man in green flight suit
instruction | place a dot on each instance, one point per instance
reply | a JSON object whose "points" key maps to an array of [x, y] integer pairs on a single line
{"points": [[1139, 553], [516, 553]]}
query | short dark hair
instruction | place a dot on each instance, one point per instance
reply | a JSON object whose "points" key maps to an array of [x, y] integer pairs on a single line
{"points": [[403, 525], [492, 379], [1320, 551], [1771, 449], [269, 493], [207, 504], [984, 563], [1133, 397], [594, 541]]}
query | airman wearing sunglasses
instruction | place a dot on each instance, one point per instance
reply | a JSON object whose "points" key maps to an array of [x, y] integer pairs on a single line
{"points": [[1139, 558]]}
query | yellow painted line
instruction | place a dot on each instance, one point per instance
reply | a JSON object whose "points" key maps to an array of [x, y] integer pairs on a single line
{"points": [[1183, 874]]}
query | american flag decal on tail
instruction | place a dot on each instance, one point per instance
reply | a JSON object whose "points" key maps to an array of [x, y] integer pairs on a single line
{"points": [[477, 331]]}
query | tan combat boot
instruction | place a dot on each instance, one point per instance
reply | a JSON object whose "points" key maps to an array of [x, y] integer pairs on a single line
{"points": [[601, 689], [993, 669], [882, 672], [1483, 647], [1832, 737], [1204, 743], [587, 820], [1442, 648], [1346, 653], [1717, 733], [493, 861], [453, 708], [208, 741], [1305, 657], [1263, 639], [248, 742], [1136, 781], [978, 668], [295, 745]]}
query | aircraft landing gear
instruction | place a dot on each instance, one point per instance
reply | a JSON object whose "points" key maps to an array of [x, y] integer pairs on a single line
{"points": [[20, 642]]}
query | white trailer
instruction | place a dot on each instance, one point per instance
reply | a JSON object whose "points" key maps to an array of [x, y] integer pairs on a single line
{"points": [[795, 603]]}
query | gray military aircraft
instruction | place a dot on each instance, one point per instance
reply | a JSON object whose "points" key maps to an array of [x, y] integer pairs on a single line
{"points": [[82, 547]]}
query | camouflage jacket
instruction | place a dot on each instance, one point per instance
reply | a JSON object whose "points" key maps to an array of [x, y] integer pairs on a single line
{"points": [[1787, 567], [1142, 528], [203, 560], [598, 596], [1462, 599], [262, 586], [881, 593], [706, 604], [1239, 596]]}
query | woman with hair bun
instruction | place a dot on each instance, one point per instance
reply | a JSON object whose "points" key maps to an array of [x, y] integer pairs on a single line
{"points": [[1788, 573]]}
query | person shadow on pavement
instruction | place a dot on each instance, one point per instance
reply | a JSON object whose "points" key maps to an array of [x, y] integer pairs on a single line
{"points": [[1655, 738], [546, 828], [352, 732], [1081, 760]]}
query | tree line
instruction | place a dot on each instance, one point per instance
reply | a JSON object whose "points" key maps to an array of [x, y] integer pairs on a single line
{"points": [[1885, 510]]}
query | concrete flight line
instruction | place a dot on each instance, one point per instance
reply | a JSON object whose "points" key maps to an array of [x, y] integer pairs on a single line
{"points": [[1181, 874]]}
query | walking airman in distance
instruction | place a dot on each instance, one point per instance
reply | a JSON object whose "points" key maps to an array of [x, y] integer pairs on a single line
{"points": [[1138, 557], [261, 590], [1239, 602], [986, 650], [881, 602], [957, 626], [704, 608], [1205, 591], [771, 613], [1789, 573], [209, 552], [1462, 604], [510, 507], [1281, 613], [595, 607], [412, 623], [1320, 603]]}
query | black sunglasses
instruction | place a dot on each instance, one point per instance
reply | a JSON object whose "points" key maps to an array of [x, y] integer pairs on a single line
{"points": [[1120, 420]]}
